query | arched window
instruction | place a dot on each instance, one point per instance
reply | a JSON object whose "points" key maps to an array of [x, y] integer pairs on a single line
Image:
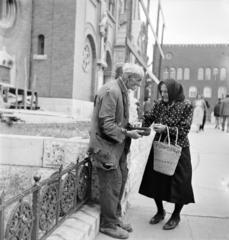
{"points": [[200, 74], [186, 74], [192, 93], [172, 74], [166, 74], [41, 45], [207, 73], [215, 73], [207, 92], [179, 74], [223, 74], [222, 91], [8, 11]]}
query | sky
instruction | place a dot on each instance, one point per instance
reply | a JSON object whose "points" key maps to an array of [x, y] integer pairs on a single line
{"points": [[196, 21]]}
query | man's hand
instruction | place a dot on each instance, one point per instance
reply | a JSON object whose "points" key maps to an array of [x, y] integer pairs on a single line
{"points": [[135, 134]]}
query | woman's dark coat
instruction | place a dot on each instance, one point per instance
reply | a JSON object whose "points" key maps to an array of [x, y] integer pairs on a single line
{"points": [[175, 114]]}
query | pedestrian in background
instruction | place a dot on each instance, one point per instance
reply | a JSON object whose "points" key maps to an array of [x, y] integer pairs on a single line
{"points": [[147, 105], [198, 114], [118, 71], [174, 112], [109, 145], [224, 112], [217, 113], [206, 107]]}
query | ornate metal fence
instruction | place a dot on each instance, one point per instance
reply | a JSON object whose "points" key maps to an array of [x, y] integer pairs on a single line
{"points": [[36, 212]]}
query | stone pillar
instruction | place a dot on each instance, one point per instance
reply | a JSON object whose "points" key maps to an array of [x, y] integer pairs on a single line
{"points": [[100, 74], [103, 28]]}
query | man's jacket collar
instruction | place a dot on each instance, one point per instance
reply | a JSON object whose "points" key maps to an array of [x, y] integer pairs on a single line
{"points": [[122, 86]]}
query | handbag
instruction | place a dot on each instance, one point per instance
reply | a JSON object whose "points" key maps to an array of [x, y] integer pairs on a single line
{"points": [[166, 155]]}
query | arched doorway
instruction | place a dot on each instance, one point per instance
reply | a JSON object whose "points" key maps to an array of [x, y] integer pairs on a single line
{"points": [[88, 65], [108, 69]]}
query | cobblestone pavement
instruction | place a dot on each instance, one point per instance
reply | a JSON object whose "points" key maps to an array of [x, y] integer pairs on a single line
{"points": [[208, 218]]}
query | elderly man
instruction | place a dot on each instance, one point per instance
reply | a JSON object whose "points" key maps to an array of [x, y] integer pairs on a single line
{"points": [[109, 145]]}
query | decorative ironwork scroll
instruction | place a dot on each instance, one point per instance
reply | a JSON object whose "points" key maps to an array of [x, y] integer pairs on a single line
{"points": [[20, 223], [48, 207], [67, 194], [37, 211]]}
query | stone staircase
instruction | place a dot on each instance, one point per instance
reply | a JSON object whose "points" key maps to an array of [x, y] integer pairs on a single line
{"points": [[82, 225]]}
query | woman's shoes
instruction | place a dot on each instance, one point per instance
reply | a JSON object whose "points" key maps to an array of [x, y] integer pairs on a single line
{"points": [[158, 217], [172, 223]]}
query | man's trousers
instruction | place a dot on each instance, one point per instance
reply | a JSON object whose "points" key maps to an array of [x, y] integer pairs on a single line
{"points": [[111, 186]]}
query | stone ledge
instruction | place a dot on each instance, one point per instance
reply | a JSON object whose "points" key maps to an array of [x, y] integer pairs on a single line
{"points": [[18, 150], [82, 225]]}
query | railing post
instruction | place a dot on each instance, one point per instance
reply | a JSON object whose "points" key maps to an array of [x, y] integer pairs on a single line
{"points": [[90, 177], [58, 194], [76, 182], [36, 208], [16, 93], [31, 100], [36, 100], [2, 217]]}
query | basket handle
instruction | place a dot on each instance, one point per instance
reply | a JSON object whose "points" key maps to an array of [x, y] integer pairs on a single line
{"points": [[176, 135], [167, 129], [168, 135]]}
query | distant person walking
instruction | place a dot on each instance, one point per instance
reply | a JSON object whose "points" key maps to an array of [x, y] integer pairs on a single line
{"points": [[198, 114], [206, 107], [217, 113], [224, 112]]}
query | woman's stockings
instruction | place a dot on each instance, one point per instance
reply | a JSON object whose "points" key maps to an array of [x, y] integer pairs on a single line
{"points": [[177, 210], [159, 205]]}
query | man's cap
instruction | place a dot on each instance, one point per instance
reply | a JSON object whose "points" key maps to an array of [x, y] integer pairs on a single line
{"points": [[133, 68]]}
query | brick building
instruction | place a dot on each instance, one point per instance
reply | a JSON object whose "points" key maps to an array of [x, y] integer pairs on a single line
{"points": [[201, 68], [15, 41], [65, 50]]}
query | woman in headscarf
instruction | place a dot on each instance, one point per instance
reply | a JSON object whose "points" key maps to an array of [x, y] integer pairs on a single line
{"points": [[174, 112]]}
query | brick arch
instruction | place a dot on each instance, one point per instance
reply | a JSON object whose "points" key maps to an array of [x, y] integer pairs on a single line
{"points": [[89, 68], [91, 34]]}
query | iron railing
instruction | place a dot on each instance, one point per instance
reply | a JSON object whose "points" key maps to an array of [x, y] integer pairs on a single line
{"points": [[35, 213]]}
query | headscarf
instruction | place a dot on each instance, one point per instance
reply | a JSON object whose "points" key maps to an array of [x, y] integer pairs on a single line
{"points": [[175, 90]]}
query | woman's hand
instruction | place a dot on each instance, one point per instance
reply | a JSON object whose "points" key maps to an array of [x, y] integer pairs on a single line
{"points": [[159, 128]]}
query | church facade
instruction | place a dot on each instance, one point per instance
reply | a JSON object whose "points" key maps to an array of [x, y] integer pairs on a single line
{"points": [[65, 50]]}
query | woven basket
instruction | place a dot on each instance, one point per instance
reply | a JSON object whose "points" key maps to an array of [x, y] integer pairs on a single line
{"points": [[166, 155]]}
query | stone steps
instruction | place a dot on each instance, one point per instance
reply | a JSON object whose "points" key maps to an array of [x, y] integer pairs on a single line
{"points": [[82, 225]]}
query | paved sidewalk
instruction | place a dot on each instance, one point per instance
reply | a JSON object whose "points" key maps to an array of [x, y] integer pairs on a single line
{"points": [[208, 218]]}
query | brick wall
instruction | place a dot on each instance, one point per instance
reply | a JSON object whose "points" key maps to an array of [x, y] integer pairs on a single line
{"points": [[199, 56], [55, 19]]}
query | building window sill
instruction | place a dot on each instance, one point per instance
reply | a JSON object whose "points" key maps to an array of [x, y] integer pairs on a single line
{"points": [[40, 57]]}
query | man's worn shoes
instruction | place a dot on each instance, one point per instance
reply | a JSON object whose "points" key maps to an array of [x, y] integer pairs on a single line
{"points": [[125, 226], [115, 232], [158, 217], [172, 223]]}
